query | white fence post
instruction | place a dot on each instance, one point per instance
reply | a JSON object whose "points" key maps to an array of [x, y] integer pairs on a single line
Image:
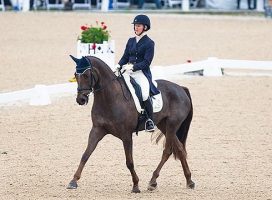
{"points": [[2, 5], [26, 5], [185, 5], [260, 5], [105, 5], [40, 96]]}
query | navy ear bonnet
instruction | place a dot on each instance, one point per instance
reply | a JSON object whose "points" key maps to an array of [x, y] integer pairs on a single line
{"points": [[81, 64]]}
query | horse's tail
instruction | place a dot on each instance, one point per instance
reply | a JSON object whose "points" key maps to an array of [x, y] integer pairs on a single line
{"points": [[183, 130]]}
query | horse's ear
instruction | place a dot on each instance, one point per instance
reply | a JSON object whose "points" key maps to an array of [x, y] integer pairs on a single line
{"points": [[75, 59]]}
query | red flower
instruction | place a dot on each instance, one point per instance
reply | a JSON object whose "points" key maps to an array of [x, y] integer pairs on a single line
{"points": [[102, 23], [84, 28], [104, 27], [93, 46]]}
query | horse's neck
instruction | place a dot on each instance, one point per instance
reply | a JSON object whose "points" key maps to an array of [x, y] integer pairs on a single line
{"points": [[107, 84], [105, 73]]}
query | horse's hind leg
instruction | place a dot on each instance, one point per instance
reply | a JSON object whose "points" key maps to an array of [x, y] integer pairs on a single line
{"points": [[95, 136], [153, 182], [172, 145], [166, 154], [178, 147], [181, 154]]}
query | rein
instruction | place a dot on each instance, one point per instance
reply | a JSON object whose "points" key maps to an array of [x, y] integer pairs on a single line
{"points": [[101, 88], [120, 75], [93, 80]]}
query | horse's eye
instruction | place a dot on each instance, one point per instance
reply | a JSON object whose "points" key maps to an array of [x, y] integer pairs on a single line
{"points": [[85, 76]]}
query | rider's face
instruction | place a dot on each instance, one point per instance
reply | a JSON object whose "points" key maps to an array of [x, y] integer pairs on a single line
{"points": [[138, 28]]}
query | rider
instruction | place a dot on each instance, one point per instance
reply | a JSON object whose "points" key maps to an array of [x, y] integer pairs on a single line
{"points": [[137, 59]]}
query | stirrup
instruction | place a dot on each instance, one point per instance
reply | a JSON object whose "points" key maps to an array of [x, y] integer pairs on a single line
{"points": [[152, 124]]}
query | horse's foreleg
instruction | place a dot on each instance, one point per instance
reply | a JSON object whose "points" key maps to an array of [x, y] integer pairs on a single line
{"points": [[130, 165], [153, 182], [95, 136]]}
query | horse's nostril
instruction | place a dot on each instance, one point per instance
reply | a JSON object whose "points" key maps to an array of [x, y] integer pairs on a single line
{"points": [[82, 99]]}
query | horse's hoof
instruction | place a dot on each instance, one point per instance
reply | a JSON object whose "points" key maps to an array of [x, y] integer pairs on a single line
{"points": [[152, 186], [135, 189], [72, 185], [191, 185]]}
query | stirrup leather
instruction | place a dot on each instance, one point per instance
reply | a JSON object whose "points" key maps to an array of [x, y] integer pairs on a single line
{"points": [[149, 130]]}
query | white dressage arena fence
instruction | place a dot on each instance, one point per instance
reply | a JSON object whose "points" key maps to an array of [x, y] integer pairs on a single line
{"points": [[42, 94], [215, 67], [39, 95]]}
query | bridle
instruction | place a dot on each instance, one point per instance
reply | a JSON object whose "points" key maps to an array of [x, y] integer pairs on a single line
{"points": [[86, 91], [93, 81]]}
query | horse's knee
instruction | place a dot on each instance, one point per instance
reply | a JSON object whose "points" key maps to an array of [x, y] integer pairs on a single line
{"points": [[167, 151], [130, 165], [84, 158]]}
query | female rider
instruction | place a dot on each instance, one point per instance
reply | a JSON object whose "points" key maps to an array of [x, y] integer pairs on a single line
{"points": [[137, 59]]}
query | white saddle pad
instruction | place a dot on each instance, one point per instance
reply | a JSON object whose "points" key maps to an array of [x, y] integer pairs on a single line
{"points": [[156, 100]]}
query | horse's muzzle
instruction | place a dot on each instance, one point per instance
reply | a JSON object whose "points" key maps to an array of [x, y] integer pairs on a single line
{"points": [[82, 99]]}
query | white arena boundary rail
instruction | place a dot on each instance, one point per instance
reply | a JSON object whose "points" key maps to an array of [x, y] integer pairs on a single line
{"points": [[42, 94], [39, 95], [215, 67]]}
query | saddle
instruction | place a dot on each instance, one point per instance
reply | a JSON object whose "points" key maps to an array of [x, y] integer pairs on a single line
{"points": [[136, 93]]}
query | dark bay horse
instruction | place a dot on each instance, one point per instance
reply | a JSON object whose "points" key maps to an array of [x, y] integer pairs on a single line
{"points": [[114, 113]]}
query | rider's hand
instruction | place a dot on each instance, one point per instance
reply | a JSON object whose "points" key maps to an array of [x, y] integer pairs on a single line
{"points": [[118, 67], [128, 67]]}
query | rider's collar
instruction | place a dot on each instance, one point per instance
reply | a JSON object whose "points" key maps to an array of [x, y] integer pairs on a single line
{"points": [[138, 37]]}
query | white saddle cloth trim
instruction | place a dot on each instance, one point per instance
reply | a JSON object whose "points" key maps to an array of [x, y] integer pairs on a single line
{"points": [[157, 99]]}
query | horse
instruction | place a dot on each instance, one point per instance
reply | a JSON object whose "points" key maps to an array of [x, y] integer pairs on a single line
{"points": [[114, 112]]}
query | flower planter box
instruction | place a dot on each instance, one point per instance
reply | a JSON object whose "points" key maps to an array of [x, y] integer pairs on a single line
{"points": [[105, 51]]}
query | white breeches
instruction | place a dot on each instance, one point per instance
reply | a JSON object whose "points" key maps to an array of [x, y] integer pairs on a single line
{"points": [[141, 79]]}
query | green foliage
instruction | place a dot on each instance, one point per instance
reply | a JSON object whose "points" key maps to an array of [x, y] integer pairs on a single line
{"points": [[93, 34]]}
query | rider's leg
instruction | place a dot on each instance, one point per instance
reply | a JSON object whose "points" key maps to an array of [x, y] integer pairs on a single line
{"points": [[141, 79], [149, 124]]}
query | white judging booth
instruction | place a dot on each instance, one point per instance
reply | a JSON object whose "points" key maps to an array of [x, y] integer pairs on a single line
{"points": [[105, 51]]}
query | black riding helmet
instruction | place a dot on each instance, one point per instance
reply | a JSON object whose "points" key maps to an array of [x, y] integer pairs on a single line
{"points": [[142, 19]]}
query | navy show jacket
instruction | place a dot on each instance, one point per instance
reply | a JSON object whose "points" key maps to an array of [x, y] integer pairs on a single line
{"points": [[140, 55]]}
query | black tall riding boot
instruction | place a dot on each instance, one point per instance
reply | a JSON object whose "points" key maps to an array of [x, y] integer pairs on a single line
{"points": [[149, 124]]}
